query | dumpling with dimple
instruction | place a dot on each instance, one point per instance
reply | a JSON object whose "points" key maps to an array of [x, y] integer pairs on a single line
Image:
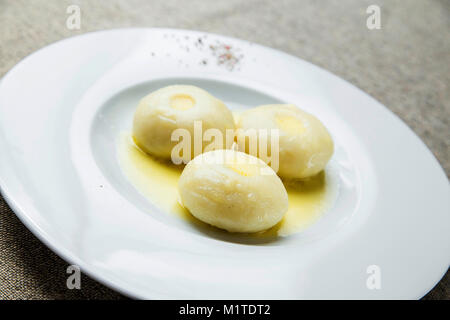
{"points": [[233, 191], [163, 111], [304, 145]]}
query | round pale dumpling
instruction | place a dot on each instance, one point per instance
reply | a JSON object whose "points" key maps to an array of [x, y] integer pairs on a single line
{"points": [[160, 113], [305, 145], [233, 191]]}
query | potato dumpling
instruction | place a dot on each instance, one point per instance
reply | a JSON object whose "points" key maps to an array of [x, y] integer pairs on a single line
{"points": [[233, 191], [178, 107], [305, 146]]}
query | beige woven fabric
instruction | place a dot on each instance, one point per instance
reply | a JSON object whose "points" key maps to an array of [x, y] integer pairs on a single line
{"points": [[405, 66]]}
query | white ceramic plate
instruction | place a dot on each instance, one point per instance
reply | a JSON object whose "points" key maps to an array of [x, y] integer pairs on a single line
{"points": [[63, 107]]}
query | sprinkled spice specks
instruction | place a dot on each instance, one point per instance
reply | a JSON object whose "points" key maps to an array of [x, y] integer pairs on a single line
{"points": [[223, 54], [226, 55]]}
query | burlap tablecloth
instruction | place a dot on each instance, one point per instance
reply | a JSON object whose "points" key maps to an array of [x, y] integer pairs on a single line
{"points": [[405, 65]]}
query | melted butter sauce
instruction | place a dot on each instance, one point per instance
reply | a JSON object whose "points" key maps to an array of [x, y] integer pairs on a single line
{"points": [[157, 180]]}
